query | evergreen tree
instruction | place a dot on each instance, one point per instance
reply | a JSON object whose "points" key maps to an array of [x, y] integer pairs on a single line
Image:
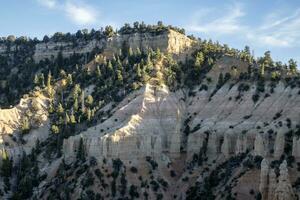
{"points": [[67, 119], [88, 114], [292, 66], [82, 102], [60, 109], [70, 79], [110, 69], [76, 91], [75, 104], [25, 125], [262, 70], [36, 80], [98, 72], [55, 129], [49, 80], [81, 150], [6, 167], [119, 78], [89, 100], [199, 61], [72, 119]]}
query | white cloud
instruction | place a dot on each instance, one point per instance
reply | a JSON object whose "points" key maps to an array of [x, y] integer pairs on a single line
{"points": [[280, 31], [78, 12], [225, 24], [277, 30], [48, 3]]}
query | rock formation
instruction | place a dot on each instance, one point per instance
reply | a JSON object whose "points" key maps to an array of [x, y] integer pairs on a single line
{"points": [[264, 176], [279, 144], [270, 188], [296, 147], [259, 145], [284, 189]]}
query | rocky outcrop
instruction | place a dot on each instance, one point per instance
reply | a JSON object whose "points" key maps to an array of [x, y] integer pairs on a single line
{"points": [[273, 189], [148, 126], [279, 144], [259, 146], [296, 147], [51, 49], [167, 41], [31, 109], [264, 176], [284, 190], [154, 116]]}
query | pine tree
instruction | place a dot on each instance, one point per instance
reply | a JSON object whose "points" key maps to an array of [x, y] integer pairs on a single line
{"points": [[130, 52], [98, 72], [67, 119], [42, 80], [89, 100], [60, 109], [119, 78], [36, 80], [6, 167], [88, 114], [75, 104], [82, 102], [76, 91], [49, 80], [55, 129], [262, 70], [292, 66], [81, 151], [199, 61], [25, 125], [72, 119], [110, 69], [70, 79]]}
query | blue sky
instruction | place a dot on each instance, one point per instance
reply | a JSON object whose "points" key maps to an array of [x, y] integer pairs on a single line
{"points": [[262, 24]]}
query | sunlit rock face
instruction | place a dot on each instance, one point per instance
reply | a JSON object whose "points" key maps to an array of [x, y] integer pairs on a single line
{"points": [[35, 110], [168, 42], [146, 126], [151, 122]]}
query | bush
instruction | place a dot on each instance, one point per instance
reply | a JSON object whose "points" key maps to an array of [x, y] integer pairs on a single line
{"points": [[134, 170]]}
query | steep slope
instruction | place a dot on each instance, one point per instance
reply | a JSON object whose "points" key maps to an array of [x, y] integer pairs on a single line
{"points": [[155, 116]]}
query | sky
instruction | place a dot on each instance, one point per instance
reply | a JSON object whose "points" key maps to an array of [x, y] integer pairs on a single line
{"points": [[261, 24]]}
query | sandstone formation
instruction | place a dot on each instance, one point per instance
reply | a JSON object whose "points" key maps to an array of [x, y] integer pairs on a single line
{"points": [[35, 110], [168, 42], [273, 189], [284, 189]]}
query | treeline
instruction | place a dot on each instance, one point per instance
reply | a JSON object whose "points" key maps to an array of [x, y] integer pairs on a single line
{"points": [[87, 35]]}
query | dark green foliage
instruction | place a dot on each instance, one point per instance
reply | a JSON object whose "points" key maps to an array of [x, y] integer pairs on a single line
{"points": [[152, 162], [81, 151], [133, 193], [133, 169]]}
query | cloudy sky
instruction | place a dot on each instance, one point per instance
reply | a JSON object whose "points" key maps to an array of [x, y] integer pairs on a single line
{"points": [[262, 24]]}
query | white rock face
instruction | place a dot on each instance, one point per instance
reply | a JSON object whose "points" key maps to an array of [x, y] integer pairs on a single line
{"points": [[279, 144], [273, 189], [33, 108], [148, 126], [171, 41], [259, 146], [272, 184], [264, 176], [296, 147], [151, 123], [284, 190], [50, 50]]}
